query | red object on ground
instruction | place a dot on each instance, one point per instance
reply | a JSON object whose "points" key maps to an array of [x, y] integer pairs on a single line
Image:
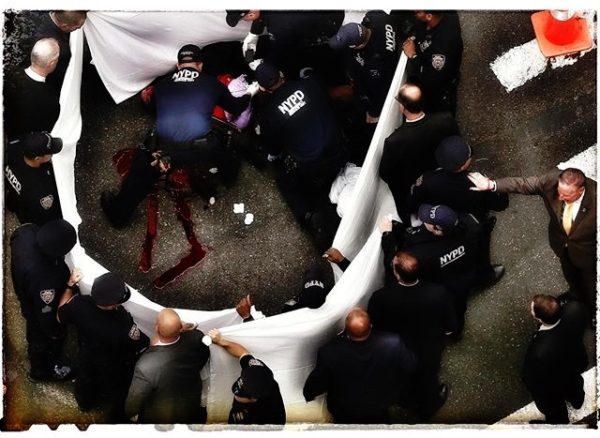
{"points": [[560, 32]]}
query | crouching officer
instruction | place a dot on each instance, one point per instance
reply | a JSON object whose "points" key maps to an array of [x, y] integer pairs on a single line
{"points": [[184, 105], [40, 277], [446, 247], [298, 124], [109, 344]]}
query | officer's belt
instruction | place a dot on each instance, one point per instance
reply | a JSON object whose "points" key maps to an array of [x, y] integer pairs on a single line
{"points": [[167, 145]]}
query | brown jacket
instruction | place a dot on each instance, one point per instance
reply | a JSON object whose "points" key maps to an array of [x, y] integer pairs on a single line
{"points": [[581, 242]]}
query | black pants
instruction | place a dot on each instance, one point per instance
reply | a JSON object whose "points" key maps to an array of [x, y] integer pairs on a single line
{"points": [[101, 384], [142, 177], [582, 282], [305, 186], [552, 404], [43, 352], [425, 384]]}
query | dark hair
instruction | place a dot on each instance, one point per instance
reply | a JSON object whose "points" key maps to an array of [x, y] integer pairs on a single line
{"points": [[406, 266], [547, 308], [412, 104], [572, 177]]}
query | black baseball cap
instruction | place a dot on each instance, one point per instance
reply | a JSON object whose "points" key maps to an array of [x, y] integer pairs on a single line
{"points": [[267, 75], [313, 289], [349, 35], [56, 238], [190, 53], [234, 17], [452, 153], [109, 289], [439, 215], [36, 144]]}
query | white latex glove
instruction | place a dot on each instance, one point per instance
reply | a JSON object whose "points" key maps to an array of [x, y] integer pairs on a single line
{"points": [[253, 88], [249, 43], [254, 64]]}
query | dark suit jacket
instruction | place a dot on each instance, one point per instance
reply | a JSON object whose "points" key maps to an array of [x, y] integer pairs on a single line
{"points": [[554, 357], [580, 244]]}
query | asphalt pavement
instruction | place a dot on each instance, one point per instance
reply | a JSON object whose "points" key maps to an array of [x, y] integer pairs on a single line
{"points": [[525, 132]]}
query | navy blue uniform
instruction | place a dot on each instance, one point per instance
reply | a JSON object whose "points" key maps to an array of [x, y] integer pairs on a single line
{"points": [[452, 260], [109, 344], [184, 104], [299, 123], [299, 39], [372, 68], [437, 65], [30, 191], [39, 282], [266, 410]]}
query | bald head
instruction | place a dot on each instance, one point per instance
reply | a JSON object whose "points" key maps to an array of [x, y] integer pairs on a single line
{"points": [[358, 324], [168, 325], [410, 96], [44, 55]]}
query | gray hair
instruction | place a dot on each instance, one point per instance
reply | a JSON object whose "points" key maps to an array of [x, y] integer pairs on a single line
{"points": [[44, 52]]}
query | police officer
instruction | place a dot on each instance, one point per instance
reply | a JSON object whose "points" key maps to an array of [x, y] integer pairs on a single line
{"points": [[296, 39], [109, 344], [370, 65], [256, 395], [184, 105], [40, 277], [298, 123], [435, 53], [30, 187], [450, 185], [446, 247]]}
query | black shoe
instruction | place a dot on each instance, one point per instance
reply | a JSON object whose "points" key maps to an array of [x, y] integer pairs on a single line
{"points": [[442, 396], [498, 272], [60, 373], [538, 422], [577, 401]]}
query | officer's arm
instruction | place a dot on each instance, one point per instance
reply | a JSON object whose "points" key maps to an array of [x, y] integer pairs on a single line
{"points": [[377, 84], [139, 392], [387, 165], [318, 381], [231, 347]]}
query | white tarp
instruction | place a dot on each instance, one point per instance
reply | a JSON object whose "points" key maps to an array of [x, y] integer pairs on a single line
{"points": [[129, 50]]}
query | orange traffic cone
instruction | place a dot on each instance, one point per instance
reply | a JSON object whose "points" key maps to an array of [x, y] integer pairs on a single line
{"points": [[560, 32]]}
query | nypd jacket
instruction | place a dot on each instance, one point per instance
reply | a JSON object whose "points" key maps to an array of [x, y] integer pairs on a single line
{"points": [[39, 281], [299, 119]]}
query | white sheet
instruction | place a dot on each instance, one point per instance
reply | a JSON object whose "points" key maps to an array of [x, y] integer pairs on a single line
{"points": [[129, 52]]}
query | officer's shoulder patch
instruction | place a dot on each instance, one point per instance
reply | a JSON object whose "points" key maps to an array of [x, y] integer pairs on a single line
{"points": [[47, 295], [134, 332], [46, 202], [438, 61]]}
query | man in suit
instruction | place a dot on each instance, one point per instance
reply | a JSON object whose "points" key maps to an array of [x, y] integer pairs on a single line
{"points": [[362, 371], [422, 314], [556, 357], [570, 199], [31, 103], [166, 386], [410, 150]]}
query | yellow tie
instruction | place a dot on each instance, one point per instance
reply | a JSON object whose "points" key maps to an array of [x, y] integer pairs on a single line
{"points": [[567, 219]]}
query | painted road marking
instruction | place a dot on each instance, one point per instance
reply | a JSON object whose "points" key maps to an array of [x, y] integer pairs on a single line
{"points": [[520, 64], [585, 161], [530, 412]]}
